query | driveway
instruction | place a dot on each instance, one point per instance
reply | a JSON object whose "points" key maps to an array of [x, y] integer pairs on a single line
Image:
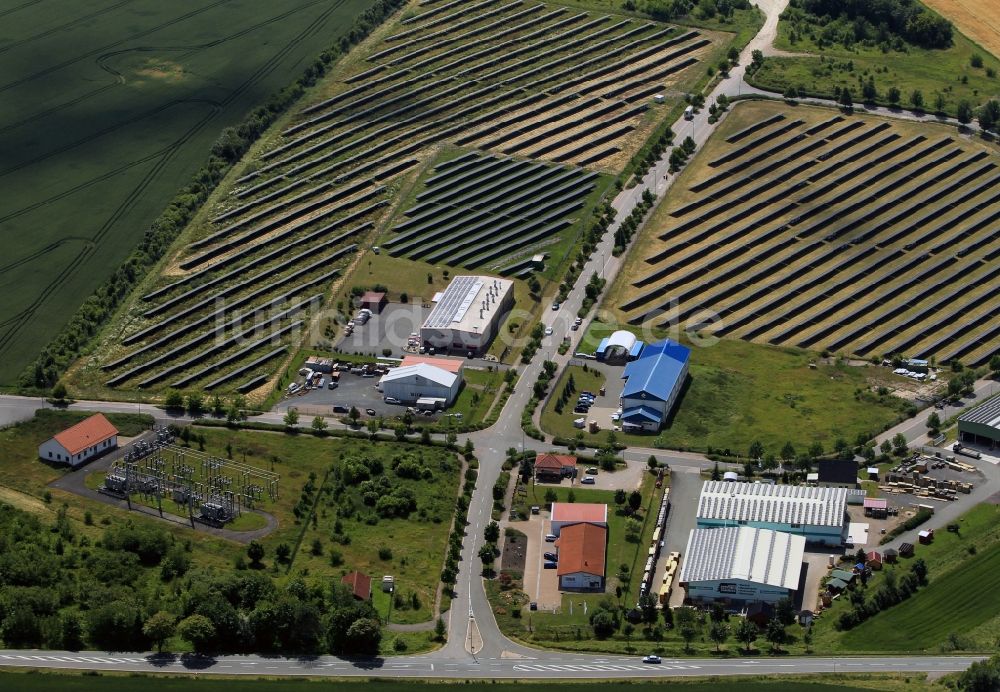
{"points": [[541, 585], [685, 487]]}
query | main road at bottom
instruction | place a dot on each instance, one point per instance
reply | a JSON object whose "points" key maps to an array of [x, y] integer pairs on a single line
{"points": [[545, 665]]}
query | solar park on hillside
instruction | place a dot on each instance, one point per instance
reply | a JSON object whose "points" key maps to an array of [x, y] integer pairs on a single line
{"points": [[476, 210], [853, 234], [525, 78]]}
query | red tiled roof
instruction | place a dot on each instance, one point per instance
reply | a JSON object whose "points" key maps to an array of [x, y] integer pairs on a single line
{"points": [[579, 512], [581, 549], [361, 584], [554, 461], [86, 433], [373, 297], [450, 364]]}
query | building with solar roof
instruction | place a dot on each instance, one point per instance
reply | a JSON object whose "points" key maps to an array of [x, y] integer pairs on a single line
{"points": [[981, 425], [740, 565], [817, 514], [468, 314]]}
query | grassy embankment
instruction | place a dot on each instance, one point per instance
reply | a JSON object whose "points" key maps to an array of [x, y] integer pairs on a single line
{"points": [[946, 72]]}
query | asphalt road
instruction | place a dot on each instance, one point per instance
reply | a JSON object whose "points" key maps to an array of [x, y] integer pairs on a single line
{"points": [[543, 665]]}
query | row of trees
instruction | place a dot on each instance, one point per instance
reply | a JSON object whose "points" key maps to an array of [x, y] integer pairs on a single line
{"points": [[875, 21]]}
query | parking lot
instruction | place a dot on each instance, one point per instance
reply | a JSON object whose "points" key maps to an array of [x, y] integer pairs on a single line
{"points": [[604, 406], [390, 330], [541, 585], [353, 390], [628, 477]]}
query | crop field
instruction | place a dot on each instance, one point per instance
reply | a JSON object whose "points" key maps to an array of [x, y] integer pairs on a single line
{"points": [[977, 19], [523, 79], [477, 210], [804, 227], [106, 109]]}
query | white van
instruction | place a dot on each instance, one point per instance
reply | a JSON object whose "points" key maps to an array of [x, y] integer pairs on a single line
{"points": [[689, 113]]}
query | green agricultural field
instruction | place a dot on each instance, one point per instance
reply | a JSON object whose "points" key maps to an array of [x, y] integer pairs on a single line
{"points": [[947, 614], [740, 392], [58, 682], [106, 109], [944, 77], [805, 227], [546, 82]]}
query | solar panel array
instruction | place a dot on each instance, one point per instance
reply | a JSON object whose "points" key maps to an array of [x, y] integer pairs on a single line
{"points": [[776, 504], [455, 302], [987, 413]]}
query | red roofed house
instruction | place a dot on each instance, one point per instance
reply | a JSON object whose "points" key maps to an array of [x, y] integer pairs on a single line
{"points": [[552, 468], [374, 301], [569, 513], [874, 560], [581, 557], [360, 585], [79, 444]]}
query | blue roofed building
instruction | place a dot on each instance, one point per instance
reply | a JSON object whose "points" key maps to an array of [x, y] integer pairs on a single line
{"points": [[653, 382]]}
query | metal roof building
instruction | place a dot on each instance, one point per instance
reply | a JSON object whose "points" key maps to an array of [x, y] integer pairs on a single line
{"points": [[741, 564], [620, 343], [981, 425], [468, 314], [816, 513], [653, 382], [409, 383]]}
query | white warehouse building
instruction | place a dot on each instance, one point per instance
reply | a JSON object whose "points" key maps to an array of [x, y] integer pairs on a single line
{"points": [[817, 514], [422, 382], [468, 314], [740, 565]]}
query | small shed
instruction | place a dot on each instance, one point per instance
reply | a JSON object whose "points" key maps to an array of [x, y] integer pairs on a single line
{"points": [[359, 584], [806, 618], [876, 507], [873, 473], [890, 555], [874, 560], [843, 575], [374, 301], [836, 585], [906, 550], [812, 479], [926, 536]]}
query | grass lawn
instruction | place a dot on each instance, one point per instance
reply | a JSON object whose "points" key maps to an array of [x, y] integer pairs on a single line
{"points": [[61, 682], [94, 149], [947, 72], [951, 604], [739, 392]]}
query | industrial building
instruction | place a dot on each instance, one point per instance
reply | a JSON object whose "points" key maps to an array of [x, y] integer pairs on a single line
{"points": [[620, 346], [82, 442], [422, 383], [653, 383], [468, 314], [740, 565], [817, 514], [582, 551], [837, 473], [981, 425], [568, 513]]}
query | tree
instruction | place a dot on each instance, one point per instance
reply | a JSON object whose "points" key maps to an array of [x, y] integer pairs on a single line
{"points": [[652, 463], [492, 532], [788, 452], [174, 400], [159, 628], [59, 391], [746, 632], [255, 551], [283, 552], [364, 636], [716, 473], [934, 423], [620, 497], [319, 425], [886, 446], [195, 404], [667, 614], [756, 450], [893, 95], [846, 100], [784, 611], [635, 500], [989, 115], [919, 569], [964, 112], [868, 90], [688, 633], [488, 554], [775, 634], [899, 444], [373, 427], [198, 630], [604, 622], [647, 604], [718, 633], [354, 414], [440, 630], [917, 100], [291, 418], [981, 676]]}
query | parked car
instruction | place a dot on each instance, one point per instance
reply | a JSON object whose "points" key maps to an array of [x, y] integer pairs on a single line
{"points": [[588, 480], [592, 471], [370, 411], [550, 538], [535, 509], [340, 409], [575, 327], [551, 557], [652, 658], [581, 409], [555, 306], [392, 400], [550, 565]]}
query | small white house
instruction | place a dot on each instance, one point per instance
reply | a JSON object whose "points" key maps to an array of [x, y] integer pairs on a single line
{"points": [[80, 443], [410, 383]]}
